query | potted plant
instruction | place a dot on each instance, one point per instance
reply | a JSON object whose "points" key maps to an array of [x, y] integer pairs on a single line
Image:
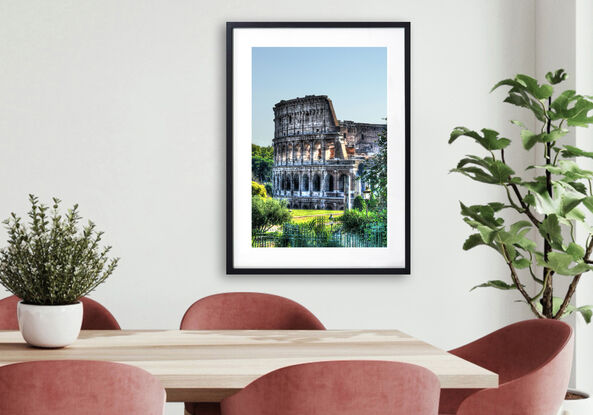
{"points": [[550, 199], [50, 263]]}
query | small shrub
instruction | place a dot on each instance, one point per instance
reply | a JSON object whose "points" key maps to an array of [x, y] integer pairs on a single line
{"points": [[359, 203], [354, 221], [258, 190], [267, 213]]}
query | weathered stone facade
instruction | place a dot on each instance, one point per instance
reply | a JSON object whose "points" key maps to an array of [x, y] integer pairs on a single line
{"points": [[317, 157]]}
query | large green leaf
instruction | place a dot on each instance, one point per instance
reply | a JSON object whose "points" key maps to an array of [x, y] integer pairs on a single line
{"points": [[472, 241], [521, 263], [578, 115], [550, 229], [585, 311], [521, 99], [501, 285], [576, 251], [571, 151], [562, 263], [530, 138], [482, 215], [540, 92], [568, 168], [489, 138], [563, 203], [556, 77], [486, 170], [525, 83], [559, 107], [513, 239]]}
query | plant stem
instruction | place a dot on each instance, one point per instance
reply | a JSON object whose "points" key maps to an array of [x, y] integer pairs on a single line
{"points": [[574, 283], [517, 282], [548, 295]]}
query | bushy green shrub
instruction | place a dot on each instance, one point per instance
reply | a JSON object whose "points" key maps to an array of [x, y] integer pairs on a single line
{"points": [[354, 221], [359, 203], [50, 260], [258, 190], [269, 188], [267, 213]]}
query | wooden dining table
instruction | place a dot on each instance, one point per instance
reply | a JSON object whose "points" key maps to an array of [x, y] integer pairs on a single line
{"points": [[209, 365]]}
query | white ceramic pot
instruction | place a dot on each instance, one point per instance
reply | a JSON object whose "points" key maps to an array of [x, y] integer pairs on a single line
{"points": [[577, 406], [49, 325]]}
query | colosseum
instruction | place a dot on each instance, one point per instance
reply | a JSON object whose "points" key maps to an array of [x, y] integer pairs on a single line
{"points": [[317, 158]]}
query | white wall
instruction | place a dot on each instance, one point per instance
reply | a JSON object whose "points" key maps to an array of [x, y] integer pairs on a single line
{"points": [[120, 106]]}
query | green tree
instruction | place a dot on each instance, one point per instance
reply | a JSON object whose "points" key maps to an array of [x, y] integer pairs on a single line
{"points": [[262, 161], [551, 203], [263, 152], [266, 213], [261, 168], [375, 172]]}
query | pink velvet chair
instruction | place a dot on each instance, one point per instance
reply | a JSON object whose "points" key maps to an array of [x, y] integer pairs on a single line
{"points": [[339, 388], [533, 359], [95, 317], [244, 311], [73, 387]]}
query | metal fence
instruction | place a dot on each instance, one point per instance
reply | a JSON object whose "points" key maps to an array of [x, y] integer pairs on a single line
{"points": [[296, 236]]}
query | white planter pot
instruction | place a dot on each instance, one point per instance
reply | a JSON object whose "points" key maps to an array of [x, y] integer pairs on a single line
{"points": [[577, 406], [49, 325]]}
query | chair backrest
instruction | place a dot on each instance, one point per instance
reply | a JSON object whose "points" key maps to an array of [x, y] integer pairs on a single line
{"points": [[533, 360], [248, 311], [8, 319], [541, 351], [68, 387], [339, 388], [518, 349], [95, 316]]}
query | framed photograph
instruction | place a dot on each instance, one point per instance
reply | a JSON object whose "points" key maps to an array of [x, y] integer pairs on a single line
{"points": [[318, 148]]}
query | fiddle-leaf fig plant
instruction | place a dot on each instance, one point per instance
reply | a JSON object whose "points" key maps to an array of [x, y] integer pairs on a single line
{"points": [[52, 260], [551, 198]]}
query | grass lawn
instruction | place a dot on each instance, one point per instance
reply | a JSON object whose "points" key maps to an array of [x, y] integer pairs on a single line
{"points": [[305, 215]]}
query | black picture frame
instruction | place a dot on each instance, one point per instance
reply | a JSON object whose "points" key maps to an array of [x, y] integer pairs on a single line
{"points": [[231, 269]]}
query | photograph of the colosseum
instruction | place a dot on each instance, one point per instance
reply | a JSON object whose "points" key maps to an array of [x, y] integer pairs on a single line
{"points": [[319, 147]]}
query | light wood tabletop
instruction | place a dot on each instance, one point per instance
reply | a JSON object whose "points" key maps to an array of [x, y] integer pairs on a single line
{"points": [[207, 366]]}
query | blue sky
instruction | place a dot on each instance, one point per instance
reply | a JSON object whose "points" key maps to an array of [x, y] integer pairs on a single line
{"points": [[354, 78]]}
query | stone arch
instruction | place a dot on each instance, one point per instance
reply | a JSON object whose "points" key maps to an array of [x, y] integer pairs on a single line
{"points": [[317, 151], [295, 182], [306, 151], [342, 182], [305, 183], [316, 183], [329, 183], [298, 151], [289, 152]]}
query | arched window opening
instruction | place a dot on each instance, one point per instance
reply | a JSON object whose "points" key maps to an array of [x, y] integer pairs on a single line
{"points": [[305, 183], [316, 183]]}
